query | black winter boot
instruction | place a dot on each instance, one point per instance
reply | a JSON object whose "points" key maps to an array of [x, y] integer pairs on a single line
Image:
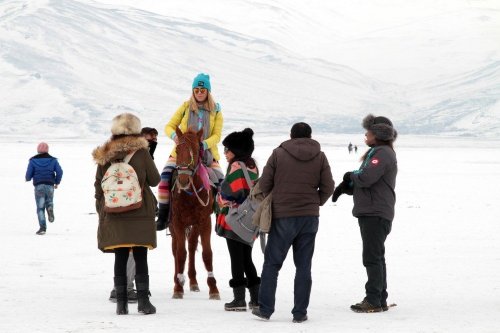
{"points": [[254, 296], [142, 284], [239, 303], [121, 295], [162, 221]]}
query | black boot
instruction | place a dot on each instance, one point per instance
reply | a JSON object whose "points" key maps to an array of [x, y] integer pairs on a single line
{"points": [[162, 221], [254, 295], [121, 295], [142, 284], [238, 303]]}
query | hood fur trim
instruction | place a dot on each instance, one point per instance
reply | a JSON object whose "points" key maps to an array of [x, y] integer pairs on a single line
{"points": [[118, 148]]}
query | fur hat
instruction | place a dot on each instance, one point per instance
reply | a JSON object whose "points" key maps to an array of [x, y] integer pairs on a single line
{"points": [[240, 143], [126, 123], [202, 80], [42, 148], [381, 127]]}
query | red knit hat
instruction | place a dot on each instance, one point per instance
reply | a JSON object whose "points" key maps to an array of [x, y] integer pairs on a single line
{"points": [[42, 148]]}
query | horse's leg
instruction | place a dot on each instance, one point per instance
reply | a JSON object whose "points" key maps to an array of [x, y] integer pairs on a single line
{"points": [[180, 260], [192, 245], [205, 231], [174, 249]]}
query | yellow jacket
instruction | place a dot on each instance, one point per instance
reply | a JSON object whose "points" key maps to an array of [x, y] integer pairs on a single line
{"points": [[180, 118]]}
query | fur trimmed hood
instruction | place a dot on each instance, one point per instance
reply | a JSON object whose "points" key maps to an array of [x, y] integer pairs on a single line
{"points": [[118, 148]]}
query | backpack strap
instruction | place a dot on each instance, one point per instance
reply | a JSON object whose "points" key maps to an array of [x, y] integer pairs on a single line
{"points": [[247, 176], [129, 157]]}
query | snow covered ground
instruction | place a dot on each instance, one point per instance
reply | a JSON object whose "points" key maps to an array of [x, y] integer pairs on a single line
{"points": [[443, 254]]}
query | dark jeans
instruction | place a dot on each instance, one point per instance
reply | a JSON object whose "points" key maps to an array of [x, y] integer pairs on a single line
{"points": [[44, 196], [241, 264], [299, 232], [374, 231]]}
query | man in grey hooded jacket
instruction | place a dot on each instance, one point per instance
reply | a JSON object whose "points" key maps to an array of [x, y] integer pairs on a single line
{"points": [[299, 176]]}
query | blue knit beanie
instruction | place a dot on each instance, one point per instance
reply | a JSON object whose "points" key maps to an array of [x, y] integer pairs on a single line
{"points": [[202, 80]]}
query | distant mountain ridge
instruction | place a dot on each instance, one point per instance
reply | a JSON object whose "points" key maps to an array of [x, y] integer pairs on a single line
{"points": [[67, 67]]}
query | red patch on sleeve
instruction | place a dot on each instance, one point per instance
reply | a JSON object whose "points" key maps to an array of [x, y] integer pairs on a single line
{"points": [[375, 161]]}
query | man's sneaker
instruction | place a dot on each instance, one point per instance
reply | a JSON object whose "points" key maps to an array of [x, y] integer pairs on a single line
{"points": [[384, 307], [132, 296], [41, 231], [256, 312], [50, 213], [299, 319], [365, 307]]}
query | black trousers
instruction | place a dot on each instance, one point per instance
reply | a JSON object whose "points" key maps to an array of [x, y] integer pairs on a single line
{"points": [[374, 231], [140, 256], [241, 264]]}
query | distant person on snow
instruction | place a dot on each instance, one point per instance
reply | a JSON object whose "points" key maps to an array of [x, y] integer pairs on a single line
{"points": [[349, 147], [199, 112], [372, 187], [131, 230], [46, 174]]}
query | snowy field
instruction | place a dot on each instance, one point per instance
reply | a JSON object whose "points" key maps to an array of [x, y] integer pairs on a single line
{"points": [[443, 254]]}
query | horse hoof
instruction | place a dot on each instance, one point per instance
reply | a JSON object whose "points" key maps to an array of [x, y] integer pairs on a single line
{"points": [[214, 297], [194, 287], [178, 296]]}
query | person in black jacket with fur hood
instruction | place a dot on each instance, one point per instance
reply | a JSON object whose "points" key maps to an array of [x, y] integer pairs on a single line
{"points": [[372, 187]]}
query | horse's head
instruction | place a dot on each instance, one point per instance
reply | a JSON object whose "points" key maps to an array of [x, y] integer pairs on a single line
{"points": [[188, 155]]}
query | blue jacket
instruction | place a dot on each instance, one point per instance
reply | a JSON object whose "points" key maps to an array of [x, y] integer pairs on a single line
{"points": [[44, 169]]}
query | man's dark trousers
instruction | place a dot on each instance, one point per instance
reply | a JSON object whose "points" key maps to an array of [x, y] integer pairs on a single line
{"points": [[299, 232]]}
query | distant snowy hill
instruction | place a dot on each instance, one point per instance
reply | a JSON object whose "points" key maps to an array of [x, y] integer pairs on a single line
{"points": [[67, 67]]}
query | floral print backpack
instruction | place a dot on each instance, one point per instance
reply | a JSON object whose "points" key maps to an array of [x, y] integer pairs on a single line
{"points": [[122, 191]]}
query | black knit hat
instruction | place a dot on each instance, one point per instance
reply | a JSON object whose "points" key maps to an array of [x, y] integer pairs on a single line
{"points": [[381, 127], [240, 143]]}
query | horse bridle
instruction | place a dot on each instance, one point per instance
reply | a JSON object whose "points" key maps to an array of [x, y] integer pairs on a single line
{"points": [[189, 170]]}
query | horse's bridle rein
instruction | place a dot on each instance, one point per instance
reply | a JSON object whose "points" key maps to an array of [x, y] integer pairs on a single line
{"points": [[190, 170]]}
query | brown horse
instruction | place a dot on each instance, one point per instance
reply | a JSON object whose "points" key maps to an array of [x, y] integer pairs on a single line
{"points": [[192, 202]]}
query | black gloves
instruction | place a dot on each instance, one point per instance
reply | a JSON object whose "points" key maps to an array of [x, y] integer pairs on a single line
{"points": [[347, 177], [338, 191], [343, 188]]}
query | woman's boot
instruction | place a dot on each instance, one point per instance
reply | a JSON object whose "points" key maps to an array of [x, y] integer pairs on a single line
{"points": [[144, 305], [238, 303], [254, 295], [162, 221], [121, 295]]}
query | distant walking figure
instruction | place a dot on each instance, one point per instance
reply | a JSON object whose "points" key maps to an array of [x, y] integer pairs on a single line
{"points": [[46, 174], [349, 147]]}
